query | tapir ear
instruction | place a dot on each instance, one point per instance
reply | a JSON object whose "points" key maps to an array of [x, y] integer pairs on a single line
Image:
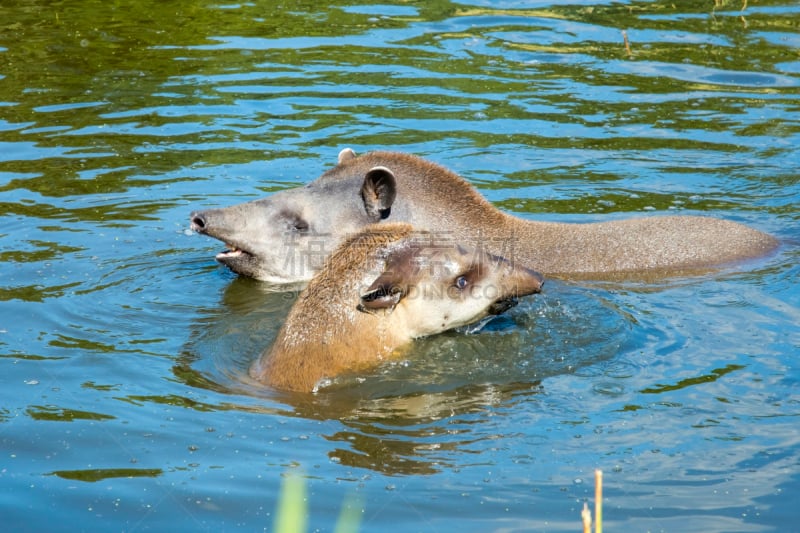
{"points": [[346, 155], [382, 295], [394, 283], [378, 193]]}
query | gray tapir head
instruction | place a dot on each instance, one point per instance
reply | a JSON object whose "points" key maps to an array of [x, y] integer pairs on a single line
{"points": [[286, 237]]}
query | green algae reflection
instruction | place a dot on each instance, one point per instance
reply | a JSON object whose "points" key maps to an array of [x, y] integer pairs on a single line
{"points": [[98, 474]]}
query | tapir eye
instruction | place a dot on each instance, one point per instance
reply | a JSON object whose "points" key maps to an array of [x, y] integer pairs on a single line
{"points": [[461, 282], [293, 221], [299, 224]]}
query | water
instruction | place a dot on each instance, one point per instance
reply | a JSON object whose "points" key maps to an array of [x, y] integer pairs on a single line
{"points": [[123, 344]]}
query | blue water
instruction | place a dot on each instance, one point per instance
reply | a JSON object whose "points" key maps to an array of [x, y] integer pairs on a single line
{"points": [[123, 344]]}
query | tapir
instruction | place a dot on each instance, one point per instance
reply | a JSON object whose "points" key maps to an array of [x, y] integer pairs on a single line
{"points": [[286, 237], [381, 288]]}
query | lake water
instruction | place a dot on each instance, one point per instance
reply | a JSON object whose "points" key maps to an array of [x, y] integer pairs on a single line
{"points": [[123, 344]]}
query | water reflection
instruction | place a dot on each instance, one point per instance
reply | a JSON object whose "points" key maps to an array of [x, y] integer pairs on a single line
{"points": [[117, 328], [99, 474], [421, 433], [410, 416]]}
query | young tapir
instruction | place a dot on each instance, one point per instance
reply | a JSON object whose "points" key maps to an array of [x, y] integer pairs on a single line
{"points": [[285, 237], [379, 290]]}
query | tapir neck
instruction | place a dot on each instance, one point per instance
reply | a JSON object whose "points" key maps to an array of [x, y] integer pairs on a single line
{"points": [[433, 198], [305, 353], [325, 334], [653, 244]]}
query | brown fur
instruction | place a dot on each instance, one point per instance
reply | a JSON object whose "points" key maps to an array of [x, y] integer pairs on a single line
{"points": [[369, 300], [279, 238], [655, 243], [310, 344]]}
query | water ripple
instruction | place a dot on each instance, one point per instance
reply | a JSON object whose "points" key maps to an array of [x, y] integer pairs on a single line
{"points": [[124, 346]]}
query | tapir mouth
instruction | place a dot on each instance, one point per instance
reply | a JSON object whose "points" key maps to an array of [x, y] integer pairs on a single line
{"points": [[232, 253], [501, 306]]}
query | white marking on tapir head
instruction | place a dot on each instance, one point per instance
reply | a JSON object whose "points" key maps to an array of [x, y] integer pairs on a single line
{"points": [[444, 288], [346, 155]]}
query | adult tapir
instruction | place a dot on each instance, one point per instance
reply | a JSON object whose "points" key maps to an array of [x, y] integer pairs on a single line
{"points": [[379, 290], [286, 237]]}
